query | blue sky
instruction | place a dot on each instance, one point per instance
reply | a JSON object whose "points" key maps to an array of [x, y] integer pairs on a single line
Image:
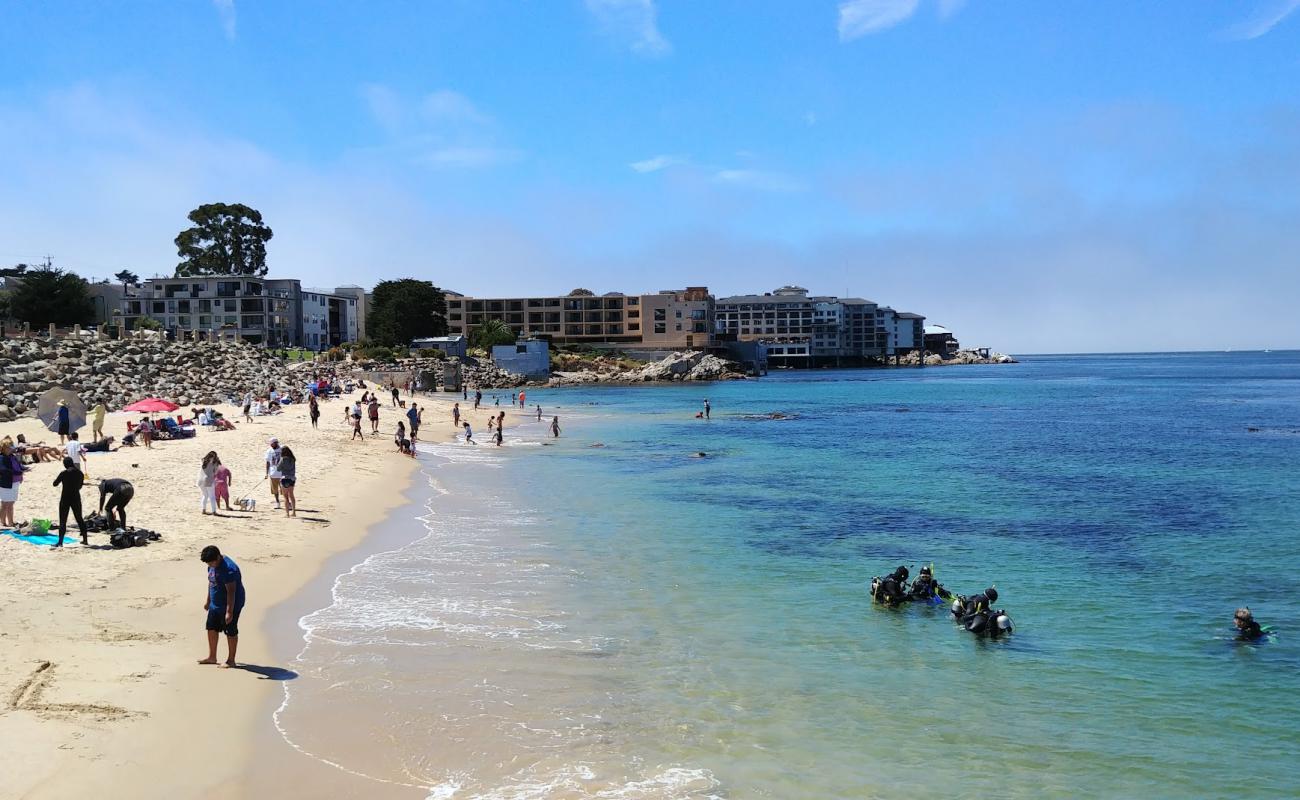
{"points": [[1038, 176]]}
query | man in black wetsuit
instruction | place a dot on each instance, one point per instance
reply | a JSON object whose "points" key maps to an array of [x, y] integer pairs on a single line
{"points": [[925, 587], [976, 604], [119, 492], [1247, 627], [71, 479]]}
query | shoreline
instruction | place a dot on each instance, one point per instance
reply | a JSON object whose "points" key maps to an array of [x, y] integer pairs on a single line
{"points": [[113, 699]]}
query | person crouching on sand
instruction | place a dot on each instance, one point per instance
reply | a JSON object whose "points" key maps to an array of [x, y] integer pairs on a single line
{"points": [[224, 604]]}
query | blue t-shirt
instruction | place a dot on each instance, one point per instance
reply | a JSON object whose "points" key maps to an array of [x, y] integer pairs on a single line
{"points": [[226, 571], [413, 416]]}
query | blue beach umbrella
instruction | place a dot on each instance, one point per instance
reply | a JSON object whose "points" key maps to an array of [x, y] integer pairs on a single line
{"points": [[47, 409]]}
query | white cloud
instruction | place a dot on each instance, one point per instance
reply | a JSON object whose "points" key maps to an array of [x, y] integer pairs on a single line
{"points": [[763, 180], [442, 129], [634, 22], [861, 17], [657, 163], [949, 7], [226, 11], [1267, 15]]}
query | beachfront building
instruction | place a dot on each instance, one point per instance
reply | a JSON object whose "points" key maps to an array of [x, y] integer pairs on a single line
{"points": [[940, 341], [528, 357], [450, 346], [276, 312], [802, 330], [906, 331], [670, 320]]}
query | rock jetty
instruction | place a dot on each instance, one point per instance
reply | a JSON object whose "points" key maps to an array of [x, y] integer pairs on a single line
{"points": [[119, 372], [959, 357], [684, 366]]}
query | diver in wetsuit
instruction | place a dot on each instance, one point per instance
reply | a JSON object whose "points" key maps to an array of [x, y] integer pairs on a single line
{"points": [[925, 587], [119, 492], [71, 479], [963, 608], [891, 589], [1247, 628]]}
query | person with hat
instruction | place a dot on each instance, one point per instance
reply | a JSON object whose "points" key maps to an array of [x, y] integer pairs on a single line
{"points": [[273, 468], [64, 417]]}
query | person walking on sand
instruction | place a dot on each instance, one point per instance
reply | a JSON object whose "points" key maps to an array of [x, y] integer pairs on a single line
{"points": [[248, 406], [707, 408], [555, 427], [313, 409], [374, 417], [356, 431], [455, 415], [273, 469], [289, 471], [224, 604], [64, 417], [76, 451], [145, 430], [97, 422], [393, 389], [207, 481], [469, 434], [71, 480], [222, 484]]}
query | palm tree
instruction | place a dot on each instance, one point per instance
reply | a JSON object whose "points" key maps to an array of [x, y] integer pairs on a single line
{"points": [[493, 332]]}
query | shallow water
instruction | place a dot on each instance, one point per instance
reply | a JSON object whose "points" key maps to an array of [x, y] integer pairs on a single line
{"points": [[633, 621]]}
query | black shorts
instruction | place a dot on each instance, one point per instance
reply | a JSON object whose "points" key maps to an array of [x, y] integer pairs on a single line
{"points": [[63, 429], [288, 482], [217, 621]]}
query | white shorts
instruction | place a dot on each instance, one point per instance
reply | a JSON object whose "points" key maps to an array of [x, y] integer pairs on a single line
{"points": [[9, 495]]}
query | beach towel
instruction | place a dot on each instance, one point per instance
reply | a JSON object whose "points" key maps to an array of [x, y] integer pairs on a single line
{"points": [[47, 539]]}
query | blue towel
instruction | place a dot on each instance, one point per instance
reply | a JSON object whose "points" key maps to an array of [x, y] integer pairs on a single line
{"points": [[47, 539]]}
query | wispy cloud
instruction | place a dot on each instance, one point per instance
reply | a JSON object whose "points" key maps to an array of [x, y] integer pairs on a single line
{"points": [[1267, 15], [443, 129], [763, 180], [861, 17], [657, 163], [226, 11], [634, 22], [949, 7]]}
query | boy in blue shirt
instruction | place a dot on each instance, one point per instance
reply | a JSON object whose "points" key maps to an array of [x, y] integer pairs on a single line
{"points": [[224, 604]]}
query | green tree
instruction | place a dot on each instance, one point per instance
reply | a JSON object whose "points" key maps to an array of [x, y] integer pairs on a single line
{"points": [[582, 293], [226, 239], [147, 324], [493, 332], [127, 276], [50, 295], [15, 271], [406, 309]]}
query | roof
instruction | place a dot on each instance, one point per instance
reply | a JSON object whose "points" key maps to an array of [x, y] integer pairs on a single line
{"points": [[457, 339], [936, 330], [792, 298], [909, 315]]}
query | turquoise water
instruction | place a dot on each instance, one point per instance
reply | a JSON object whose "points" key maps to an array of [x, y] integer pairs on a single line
{"points": [[632, 621]]}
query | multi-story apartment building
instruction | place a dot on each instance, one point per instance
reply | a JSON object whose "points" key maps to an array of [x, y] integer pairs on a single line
{"points": [[272, 311], [668, 320], [906, 331], [801, 330]]}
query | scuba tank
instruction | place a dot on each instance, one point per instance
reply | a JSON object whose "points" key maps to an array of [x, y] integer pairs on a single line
{"points": [[892, 589]]}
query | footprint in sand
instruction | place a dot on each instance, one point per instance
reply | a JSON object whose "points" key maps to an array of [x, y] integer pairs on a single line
{"points": [[146, 603], [109, 633]]}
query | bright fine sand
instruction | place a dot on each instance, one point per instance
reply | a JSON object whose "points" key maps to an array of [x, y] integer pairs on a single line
{"points": [[100, 692]]}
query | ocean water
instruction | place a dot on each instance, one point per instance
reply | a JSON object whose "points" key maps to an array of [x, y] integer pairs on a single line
{"points": [[608, 615]]}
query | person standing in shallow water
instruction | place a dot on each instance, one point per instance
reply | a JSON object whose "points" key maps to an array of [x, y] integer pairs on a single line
{"points": [[707, 408], [555, 427], [455, 415]]}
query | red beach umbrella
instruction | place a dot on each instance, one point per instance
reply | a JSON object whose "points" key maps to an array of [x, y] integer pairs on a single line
{"points": [[151, 405]]}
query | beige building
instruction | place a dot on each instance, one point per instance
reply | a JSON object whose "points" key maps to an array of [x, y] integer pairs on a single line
{"points": [[667, 320]]}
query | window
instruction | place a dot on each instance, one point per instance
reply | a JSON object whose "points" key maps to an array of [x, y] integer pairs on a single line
{"points": [[634, 301], [660, 315], [697, 314], [679, 314], [679, 326]]}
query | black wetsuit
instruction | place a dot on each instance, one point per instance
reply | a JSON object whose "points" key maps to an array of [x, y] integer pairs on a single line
{"points": [[119, 492], [925, 587], [71, 480], [1250, 630]]}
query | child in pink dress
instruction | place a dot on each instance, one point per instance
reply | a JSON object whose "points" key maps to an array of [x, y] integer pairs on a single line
{"points": [[222, 483]]}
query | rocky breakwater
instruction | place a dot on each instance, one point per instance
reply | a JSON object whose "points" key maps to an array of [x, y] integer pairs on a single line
{"points": [[684, 366], [119, 372], [959, 357]]}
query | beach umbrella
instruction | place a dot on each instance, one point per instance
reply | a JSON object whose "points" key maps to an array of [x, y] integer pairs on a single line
{"points": [[150, 405], [47, 409]]}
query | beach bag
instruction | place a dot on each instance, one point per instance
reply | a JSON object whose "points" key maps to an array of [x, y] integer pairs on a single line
{"points": [[41, 526]]}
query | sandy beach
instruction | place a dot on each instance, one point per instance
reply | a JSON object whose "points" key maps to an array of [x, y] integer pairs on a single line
{"points": [[98, 646]]}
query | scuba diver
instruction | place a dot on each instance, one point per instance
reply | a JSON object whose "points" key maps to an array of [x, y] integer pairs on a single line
{"points": [[892, 589], [1247, 628], [976, 613], [925, 587]]}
